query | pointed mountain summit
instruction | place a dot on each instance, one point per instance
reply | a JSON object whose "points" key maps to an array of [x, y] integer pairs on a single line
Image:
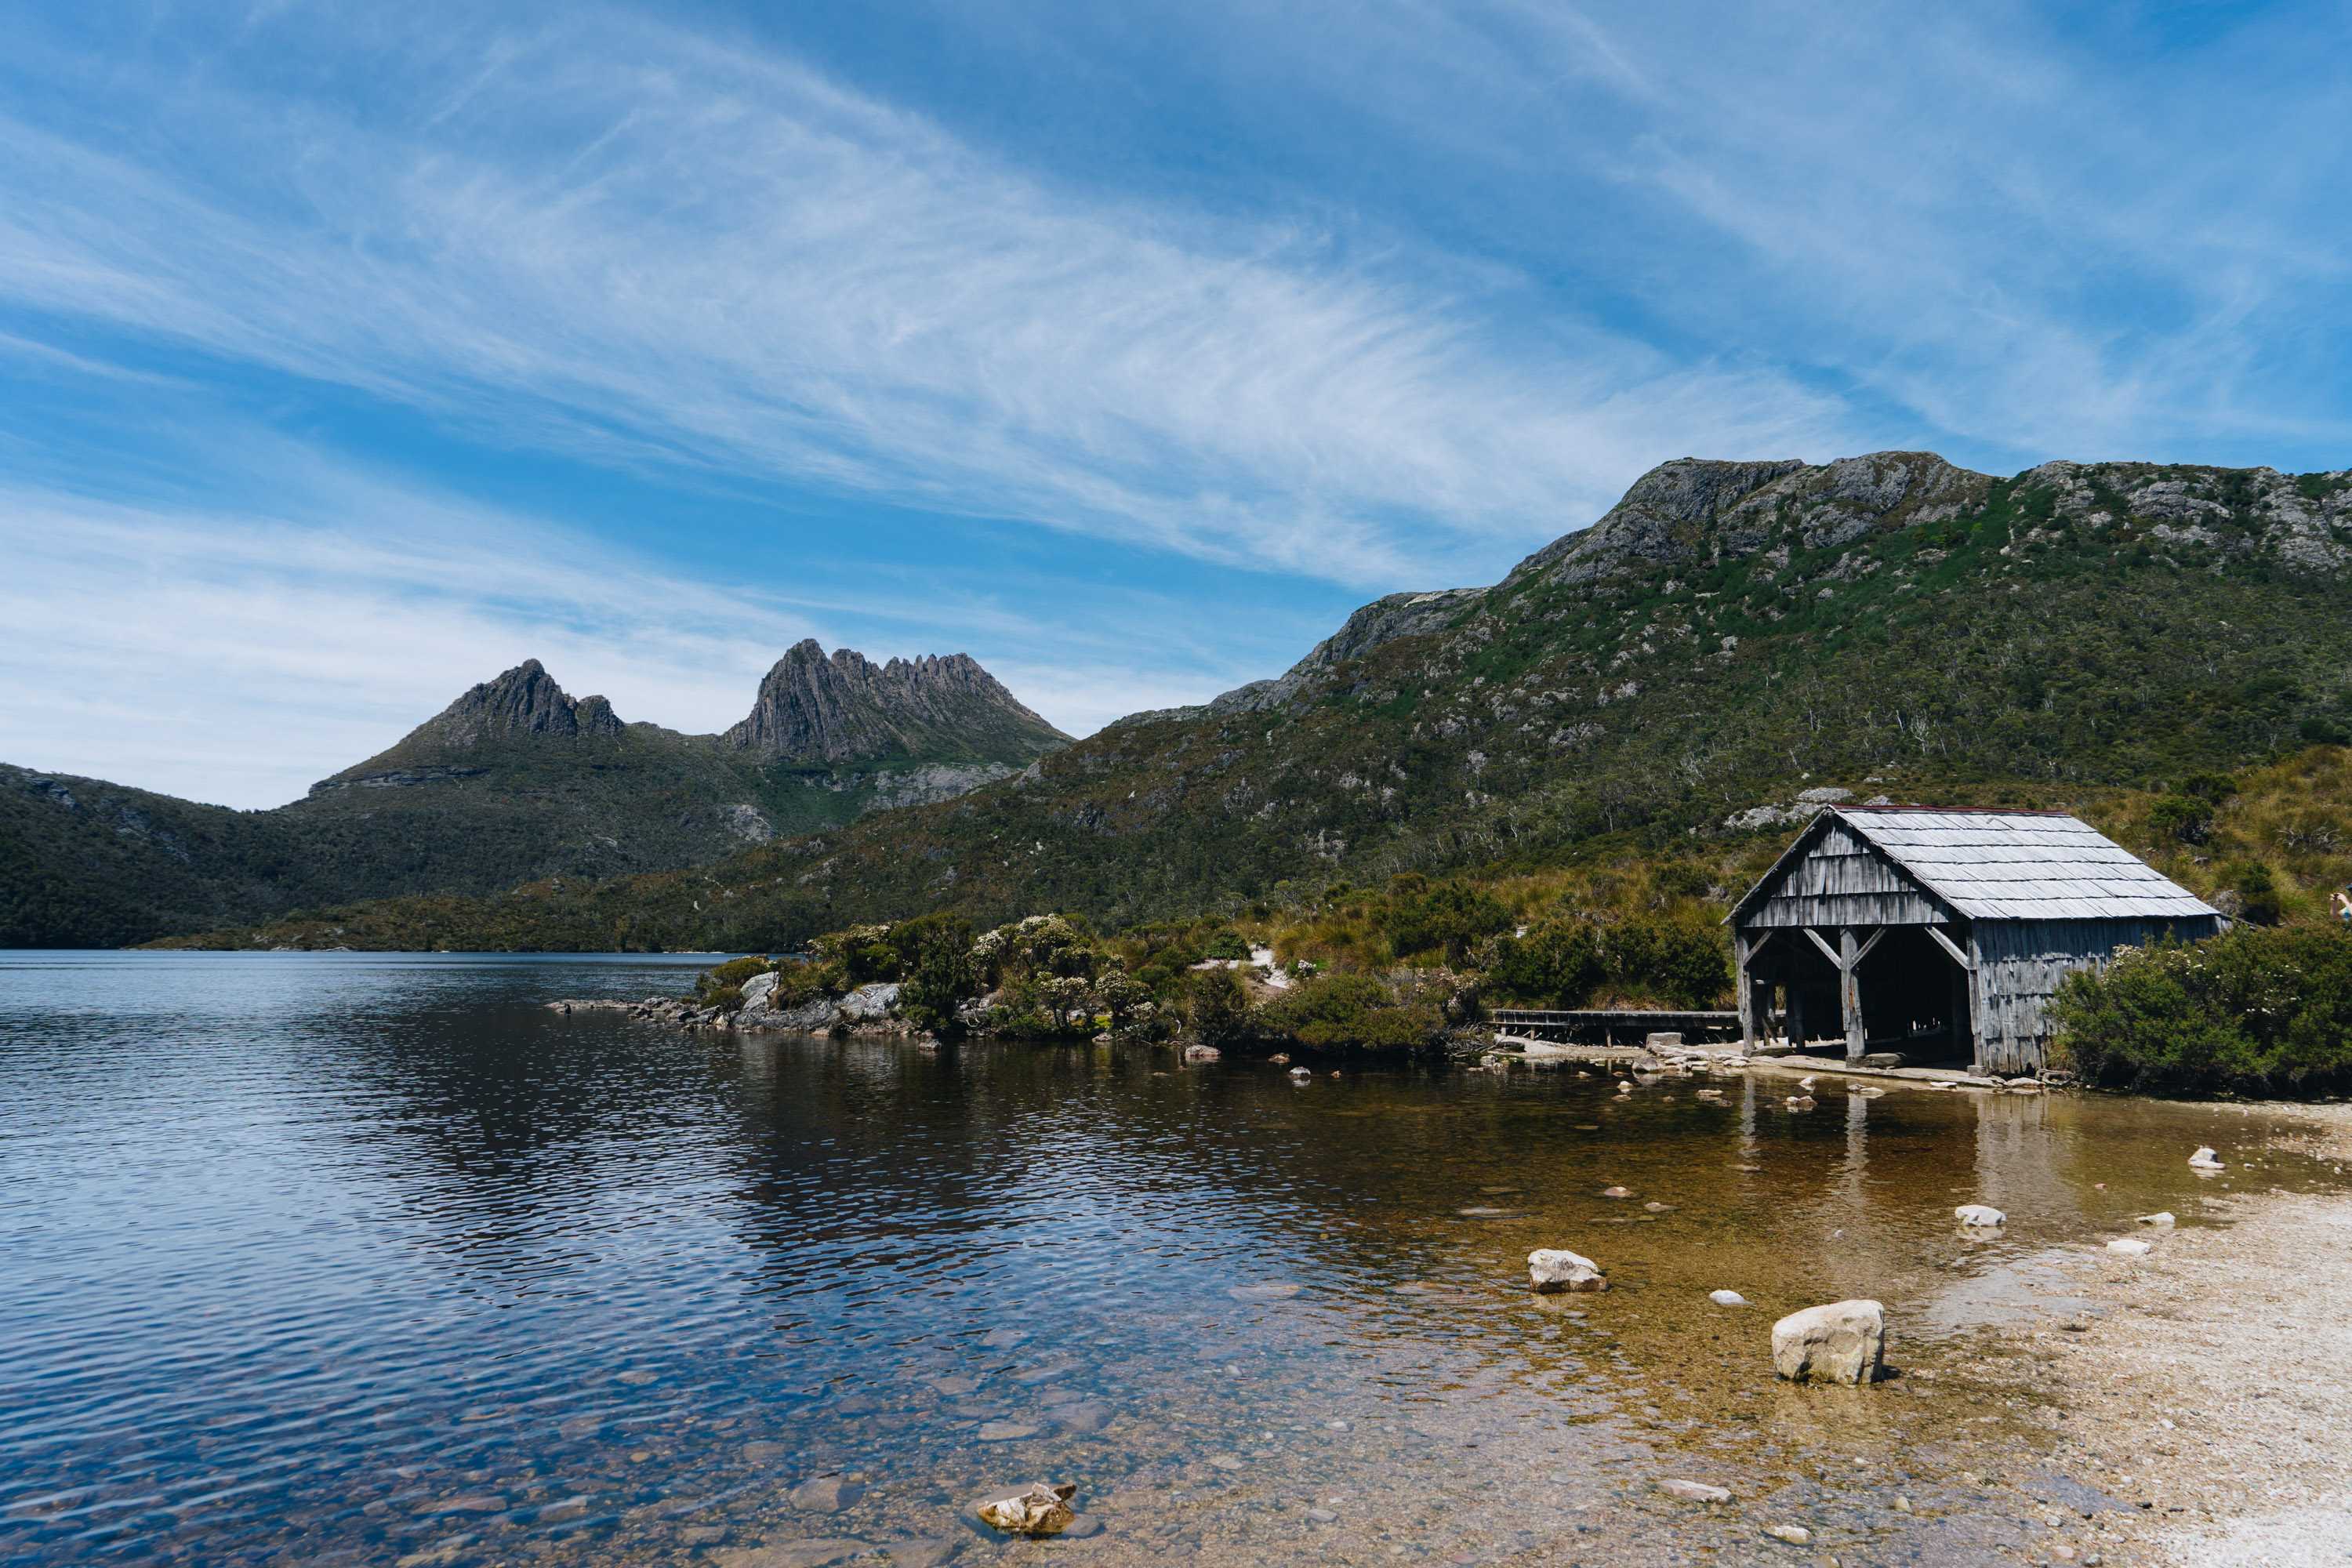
{"points": [[524, 700], [522, 705], [816, 709]]}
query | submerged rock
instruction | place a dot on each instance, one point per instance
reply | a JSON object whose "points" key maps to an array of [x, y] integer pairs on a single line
{"points": [[1036, 1510], [826, 1494], [1557, 1269], [1279, 1290], [1979, 1214], [791, 1553], [1844, 1342]]}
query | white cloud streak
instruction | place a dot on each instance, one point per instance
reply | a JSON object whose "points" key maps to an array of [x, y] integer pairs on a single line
{"points": [[631, 244], [234, 657]]}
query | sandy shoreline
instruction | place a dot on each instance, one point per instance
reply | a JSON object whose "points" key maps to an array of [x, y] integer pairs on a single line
{"points": [[2208, 1384]]}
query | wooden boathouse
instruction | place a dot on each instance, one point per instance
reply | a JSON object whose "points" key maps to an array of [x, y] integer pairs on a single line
{"points": [[1939, 936]]}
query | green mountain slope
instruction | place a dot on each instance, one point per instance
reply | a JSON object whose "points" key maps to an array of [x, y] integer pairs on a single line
{"points": [[515, 781], [1727, 635]]}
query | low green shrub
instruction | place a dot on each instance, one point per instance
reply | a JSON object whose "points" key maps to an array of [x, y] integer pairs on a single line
{"points": [[1349, 1010], [2257, 1010]]}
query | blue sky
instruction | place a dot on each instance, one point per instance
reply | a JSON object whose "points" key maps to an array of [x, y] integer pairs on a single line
{"points": [[350, 353]]}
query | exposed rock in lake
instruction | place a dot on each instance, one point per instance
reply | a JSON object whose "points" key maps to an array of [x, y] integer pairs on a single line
{"points": [[1979, 1214], [1035, 1509], [1557, 1269], [1843, 1341]]}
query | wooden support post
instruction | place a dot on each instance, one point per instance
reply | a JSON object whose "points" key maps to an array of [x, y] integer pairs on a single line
{"points": [[1850, 991], [1741, 952], [1796, 1012], [1963, 1030]]}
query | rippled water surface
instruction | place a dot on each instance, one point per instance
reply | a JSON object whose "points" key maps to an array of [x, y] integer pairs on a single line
{"points": [[342, 1258]]}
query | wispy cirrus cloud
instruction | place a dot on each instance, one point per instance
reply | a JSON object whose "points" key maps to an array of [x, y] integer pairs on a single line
{"points": [[631, 244]]}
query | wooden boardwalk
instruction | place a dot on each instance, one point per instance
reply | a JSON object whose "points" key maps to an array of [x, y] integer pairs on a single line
{"points": [[1608, 1025]]}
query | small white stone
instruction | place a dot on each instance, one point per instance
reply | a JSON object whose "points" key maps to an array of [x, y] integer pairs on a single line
{"points": [[2204, 1159], [1694, 1491], [1726, 1297], [2129, 1247], [1794, 1534], [1979, 1214], [2163, 1217]]}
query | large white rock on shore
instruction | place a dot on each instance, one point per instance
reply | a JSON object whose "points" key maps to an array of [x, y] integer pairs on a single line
{"points": [[870, 1002], [1844, 1341], [1557, 1269]]}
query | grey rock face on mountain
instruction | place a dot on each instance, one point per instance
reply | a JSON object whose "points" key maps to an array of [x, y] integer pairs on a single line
{"points": [[816, 709], [524, 700], [1694, 510], [1381, 621]]}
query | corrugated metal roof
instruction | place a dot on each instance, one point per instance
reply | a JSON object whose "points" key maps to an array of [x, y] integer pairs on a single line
{"points": [[2021, 865]]}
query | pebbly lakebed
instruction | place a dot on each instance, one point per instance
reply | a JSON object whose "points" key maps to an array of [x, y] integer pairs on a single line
{"points": [[371, 1258]]}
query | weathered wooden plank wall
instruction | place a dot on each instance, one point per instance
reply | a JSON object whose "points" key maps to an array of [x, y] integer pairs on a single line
{"points": [[1843, 881]]}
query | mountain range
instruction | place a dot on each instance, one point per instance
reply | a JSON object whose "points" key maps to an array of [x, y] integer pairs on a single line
{"points": [[513, 782], [1728, 634]]}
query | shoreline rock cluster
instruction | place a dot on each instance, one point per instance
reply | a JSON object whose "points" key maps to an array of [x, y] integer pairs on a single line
{"points": [[869, 1010]]}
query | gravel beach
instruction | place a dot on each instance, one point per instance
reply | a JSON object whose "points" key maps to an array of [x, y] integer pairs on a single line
{"points": [[2211, 1383]]}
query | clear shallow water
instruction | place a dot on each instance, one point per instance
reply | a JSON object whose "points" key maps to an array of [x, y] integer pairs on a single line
{"points": [[345, 1258]]}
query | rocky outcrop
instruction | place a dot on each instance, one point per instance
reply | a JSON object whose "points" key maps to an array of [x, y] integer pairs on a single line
{"points": [[830, 710], [1699, 513], [867, 1007], [1844, 1341]]}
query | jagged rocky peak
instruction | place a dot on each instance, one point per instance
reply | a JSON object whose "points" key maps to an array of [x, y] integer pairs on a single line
{"points": [[525, 700], [815, 708]]}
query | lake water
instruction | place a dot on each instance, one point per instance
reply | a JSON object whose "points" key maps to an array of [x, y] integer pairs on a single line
{"points": [[328, 1258]]}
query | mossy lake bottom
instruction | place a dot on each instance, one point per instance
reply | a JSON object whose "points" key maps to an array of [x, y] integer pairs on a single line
{"points": [[362, 1259]]}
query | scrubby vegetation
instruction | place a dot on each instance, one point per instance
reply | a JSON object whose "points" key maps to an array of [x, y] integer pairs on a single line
{"points": [[2258, 1010]]}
